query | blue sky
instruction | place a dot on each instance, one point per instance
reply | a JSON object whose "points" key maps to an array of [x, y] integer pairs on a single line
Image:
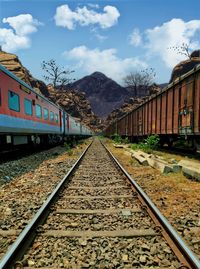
{"points": [[114, 37]]}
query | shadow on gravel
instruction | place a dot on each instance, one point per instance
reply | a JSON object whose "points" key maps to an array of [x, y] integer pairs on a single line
{"points": [[22, 162]]}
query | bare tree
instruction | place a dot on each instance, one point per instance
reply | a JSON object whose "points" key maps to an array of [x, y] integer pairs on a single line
{"points": [[143, 79], [58, 76], [183, 49]]}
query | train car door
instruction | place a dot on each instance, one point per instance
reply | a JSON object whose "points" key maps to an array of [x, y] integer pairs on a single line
{"points": [[186, 109]]}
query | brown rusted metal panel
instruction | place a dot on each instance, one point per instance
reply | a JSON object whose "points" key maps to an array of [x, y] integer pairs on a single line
{"points": [[143, 115], [120, 127], [170, 109], [124, 126], [190, 92], [158, 126], [137, 121], [134, 123], [140, 121], [153, 127], [176, 109], [163, 114], [186, 112], [183, 95], [145, 119], [123, 130], [129, 131], [149, 117], [197, 105], [130, 124]]}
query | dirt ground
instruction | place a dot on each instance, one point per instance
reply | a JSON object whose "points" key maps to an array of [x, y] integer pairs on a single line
{"points": [[177, 197]]}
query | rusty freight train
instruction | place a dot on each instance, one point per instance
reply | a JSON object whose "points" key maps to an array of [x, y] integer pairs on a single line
{"points": [[173, 113]]}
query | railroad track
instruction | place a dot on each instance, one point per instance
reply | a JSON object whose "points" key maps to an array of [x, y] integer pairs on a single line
{"points": [[98, 217]]}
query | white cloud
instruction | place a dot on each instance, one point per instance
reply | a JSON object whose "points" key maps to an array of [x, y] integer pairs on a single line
{"points": [[23, 24], [169, 34], [18, 36], [105, 61], [65, 17], [135, 38], [11, 42]]}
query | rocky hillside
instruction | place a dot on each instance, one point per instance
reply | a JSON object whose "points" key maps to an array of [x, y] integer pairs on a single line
{"points": [[77, 105], [12, 63], [103, 93], [74, 102]]}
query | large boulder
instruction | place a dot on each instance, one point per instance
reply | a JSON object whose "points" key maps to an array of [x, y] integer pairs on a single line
{"points": [[13, 64], [185, 66]]}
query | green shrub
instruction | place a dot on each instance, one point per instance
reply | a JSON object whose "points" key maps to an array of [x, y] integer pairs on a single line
{"points": [[125, 140], [149, 144], [117, 139], [145, 147], [152, 141], [134, 146]]}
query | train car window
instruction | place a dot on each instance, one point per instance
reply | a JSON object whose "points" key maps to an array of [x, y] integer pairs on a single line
{"points": [[51, 116], [46, 114], [13, 101], [56, 116], [28, 107], [38, 111]]}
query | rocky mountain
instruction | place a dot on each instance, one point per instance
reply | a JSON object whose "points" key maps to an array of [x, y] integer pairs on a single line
{"points": [[103, 93], [74, 102]]}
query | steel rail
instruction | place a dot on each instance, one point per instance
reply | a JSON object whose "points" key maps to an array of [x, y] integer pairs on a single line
{"points": [[18, 248], [186, 252]]}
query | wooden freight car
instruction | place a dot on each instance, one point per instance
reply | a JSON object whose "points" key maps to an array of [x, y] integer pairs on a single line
{"points": [[172, 113]]}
